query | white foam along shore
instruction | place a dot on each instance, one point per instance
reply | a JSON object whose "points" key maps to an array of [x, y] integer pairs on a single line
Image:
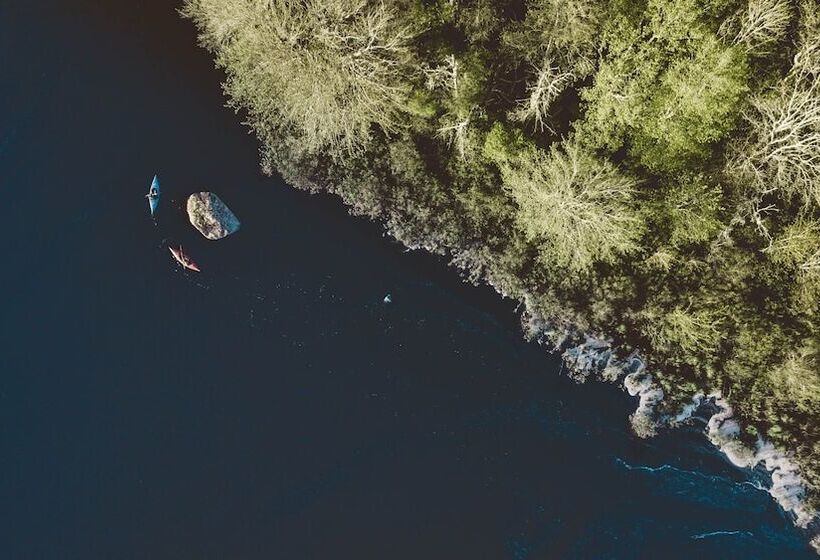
{"points": [[787, 487], [589, 355], [593, 356]]}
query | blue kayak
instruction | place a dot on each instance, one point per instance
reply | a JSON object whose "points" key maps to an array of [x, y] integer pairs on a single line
{"points": [[153, 195]]}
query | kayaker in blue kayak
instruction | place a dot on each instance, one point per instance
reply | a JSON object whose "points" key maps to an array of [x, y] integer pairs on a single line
{"points": [[153, 195]]}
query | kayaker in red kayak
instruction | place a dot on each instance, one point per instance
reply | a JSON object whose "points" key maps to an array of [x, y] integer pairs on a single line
{"points": [[184, 259]]}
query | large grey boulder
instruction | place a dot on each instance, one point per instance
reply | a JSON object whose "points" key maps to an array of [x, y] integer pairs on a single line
{"points": [[211, 216]]}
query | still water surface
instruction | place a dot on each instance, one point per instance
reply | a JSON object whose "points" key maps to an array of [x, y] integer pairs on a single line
{"points": [[273, 406]]}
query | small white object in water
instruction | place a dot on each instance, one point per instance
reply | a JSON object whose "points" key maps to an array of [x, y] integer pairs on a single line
{"points": [[388, 299]]}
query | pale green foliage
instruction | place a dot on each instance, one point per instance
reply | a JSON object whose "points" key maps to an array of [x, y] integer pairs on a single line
{"points": [[684, 330], [796, 382], [806, 296], [480, 19], [695, 104], [798, 246], [615, 100], [569, 25], [328, 68], [672, 89], [502, 144], [809, 20], [662, 259], [578, 206], [692, 211], [565, 30], [675, 23]]}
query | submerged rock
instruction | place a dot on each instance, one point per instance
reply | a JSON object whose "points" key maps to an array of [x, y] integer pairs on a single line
{"points": [[211, 216]]}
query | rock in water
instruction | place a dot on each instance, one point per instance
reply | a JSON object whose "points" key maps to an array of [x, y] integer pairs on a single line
{"points": [[211, 216]]}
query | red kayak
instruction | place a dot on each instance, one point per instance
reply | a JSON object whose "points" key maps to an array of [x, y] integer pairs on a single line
{"points": [[184, 259]]}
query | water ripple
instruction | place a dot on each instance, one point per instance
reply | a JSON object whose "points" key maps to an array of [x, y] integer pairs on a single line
{"points": [[721, 534]]}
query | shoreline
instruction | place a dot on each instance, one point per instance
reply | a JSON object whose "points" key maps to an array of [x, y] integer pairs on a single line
{"points": [[595, 357]]}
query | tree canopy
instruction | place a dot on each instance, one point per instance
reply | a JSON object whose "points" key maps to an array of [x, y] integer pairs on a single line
{"points": [[329, 68]]}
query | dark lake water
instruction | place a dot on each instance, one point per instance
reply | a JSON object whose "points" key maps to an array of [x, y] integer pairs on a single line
{"points": [[273, 406]]}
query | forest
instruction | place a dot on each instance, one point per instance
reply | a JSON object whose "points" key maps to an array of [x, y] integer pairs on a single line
{"points": [[644, 169]]}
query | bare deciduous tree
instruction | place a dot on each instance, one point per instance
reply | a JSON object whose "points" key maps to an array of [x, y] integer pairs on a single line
{"points": [[783, 151], [457, 133], [455, 124], [550, 82], [444, 76], [760, 25], [750, 211], [559, 38]]}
